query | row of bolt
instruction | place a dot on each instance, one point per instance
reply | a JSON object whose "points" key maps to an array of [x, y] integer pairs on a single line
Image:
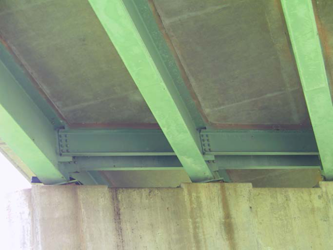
{"points": [[205, 140], [63, 147]]}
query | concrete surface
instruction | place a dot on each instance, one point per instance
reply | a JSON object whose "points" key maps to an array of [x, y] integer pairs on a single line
{"points": [[195, 216], [67, 52], [236, 56], [238, 59]]}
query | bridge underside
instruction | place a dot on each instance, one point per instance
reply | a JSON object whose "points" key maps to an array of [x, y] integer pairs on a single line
{"points": [[153, 93]]}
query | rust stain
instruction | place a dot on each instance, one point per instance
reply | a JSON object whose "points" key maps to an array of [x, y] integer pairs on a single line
{"points": [[192, 210], [79, 216], [322, 31], [324, 36], [4, 43], [117, 219], [305, 125], [227, 219], [115, 125], [287, 50]]}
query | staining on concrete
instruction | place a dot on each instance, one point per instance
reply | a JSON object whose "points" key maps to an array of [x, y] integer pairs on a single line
{"points": [[323, 15], [117, 219], [283, 218], [227, 218]]}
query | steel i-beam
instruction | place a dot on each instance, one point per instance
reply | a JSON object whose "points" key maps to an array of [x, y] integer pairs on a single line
{"points": [[131, 38], [305, 42], [25, 129]]}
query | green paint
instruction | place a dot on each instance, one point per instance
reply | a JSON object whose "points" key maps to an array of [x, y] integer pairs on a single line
{"points": [[305, 41], [267, 162], [131, 38], [113, 143], [158, 163], [119, 163], [143, 8], [25, 129], [144, 142], [258, 142]]}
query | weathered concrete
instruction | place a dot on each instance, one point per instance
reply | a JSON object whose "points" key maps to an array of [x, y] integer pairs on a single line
{"points": [[237, 57], [195, 216]]}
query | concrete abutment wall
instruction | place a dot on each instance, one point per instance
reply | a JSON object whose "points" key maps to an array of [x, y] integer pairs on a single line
{"points": [[195, 216]]}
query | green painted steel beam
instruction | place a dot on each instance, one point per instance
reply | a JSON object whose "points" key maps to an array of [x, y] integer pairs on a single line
{"points": [[157, 163], [306, 45], [168, 59], [131, 38], [123, 163], [268, 162], [25, 129], [113, 143], [258, 142], [214, 142]]}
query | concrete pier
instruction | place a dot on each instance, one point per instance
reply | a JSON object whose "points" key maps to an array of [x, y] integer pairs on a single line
{"points": [[194, 216]]}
